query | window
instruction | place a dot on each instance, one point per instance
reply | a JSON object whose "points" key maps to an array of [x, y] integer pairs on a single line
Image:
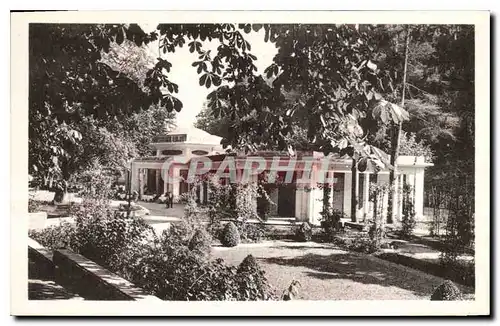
{"points": [[198, 152], [171, 152], [171, 139]]}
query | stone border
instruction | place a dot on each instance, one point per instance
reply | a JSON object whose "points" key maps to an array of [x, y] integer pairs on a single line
{"points": [[92, 281], [42, 257], [82, 276]]}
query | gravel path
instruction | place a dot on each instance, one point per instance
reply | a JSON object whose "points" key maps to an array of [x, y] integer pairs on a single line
{"points": [[328, 273]]}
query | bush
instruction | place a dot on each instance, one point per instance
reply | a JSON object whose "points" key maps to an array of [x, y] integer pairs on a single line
{"points": [[360, 243], [447, 291], [174, 272], [230, 236], [408, 222], [249, 264], [252, 283], [200, 242], [330, 222], [33, 205], [169, 266], [215, 229], [251, 232], [303, 232], [56, 237], [101, 240]]}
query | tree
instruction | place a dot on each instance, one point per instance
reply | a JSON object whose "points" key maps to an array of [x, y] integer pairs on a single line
{"points": [[332, 68], [206, 122], [71, 87]]}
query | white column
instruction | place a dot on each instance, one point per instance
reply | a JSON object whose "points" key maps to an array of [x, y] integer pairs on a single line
{"points": [[315, 205], [366, 195], [157, 176], [175, 182], [419, 192], [357, 195], [347, 193], [201, 192], [134, 177], [141, 182]]}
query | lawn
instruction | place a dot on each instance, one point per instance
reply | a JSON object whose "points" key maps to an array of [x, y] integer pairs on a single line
{"points": [[328, 273]]}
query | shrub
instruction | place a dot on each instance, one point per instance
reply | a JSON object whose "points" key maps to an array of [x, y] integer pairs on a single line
{"points": [[174, 272], [168, 267], [330, 222], [33, 205], [408, 222], [56, 237], [102, 239], [215, 229], [230, 236], [252, 283], [251, 232], [249, 264], [447, 291], [200, 242], [376, 230], [360, 243], [303, 232]]}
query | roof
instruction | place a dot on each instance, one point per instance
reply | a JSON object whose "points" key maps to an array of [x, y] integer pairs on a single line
{"points": [[193, 136]]}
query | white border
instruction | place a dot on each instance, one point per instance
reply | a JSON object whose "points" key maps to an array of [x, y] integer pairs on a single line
{"points": [[19, 149]]}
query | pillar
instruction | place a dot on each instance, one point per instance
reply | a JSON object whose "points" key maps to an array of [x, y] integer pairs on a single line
{"points": [[300, 211], [141, 182], [134, 177], [315, 205], [157, 176], [201, 192], [366, 195], [176, 173], [354, 191], [165, 181], [419, 192], [347, 193]]}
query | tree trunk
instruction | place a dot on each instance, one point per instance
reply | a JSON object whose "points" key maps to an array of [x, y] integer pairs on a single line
{"points": [[396, 137]]}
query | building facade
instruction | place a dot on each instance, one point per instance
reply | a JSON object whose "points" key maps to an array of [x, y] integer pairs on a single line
{"points": [[299, 197]]}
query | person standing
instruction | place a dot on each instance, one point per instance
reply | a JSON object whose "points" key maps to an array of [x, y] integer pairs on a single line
{"points": [[170, 200]]}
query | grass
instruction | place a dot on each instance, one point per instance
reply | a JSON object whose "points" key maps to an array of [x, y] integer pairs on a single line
{"points": [[328, 273]]}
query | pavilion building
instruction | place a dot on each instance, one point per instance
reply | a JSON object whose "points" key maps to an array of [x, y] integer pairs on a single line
{"points": [[303, 202]]}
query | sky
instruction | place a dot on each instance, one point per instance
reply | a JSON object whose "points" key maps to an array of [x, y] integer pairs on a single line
{"points": [[191, 94]]}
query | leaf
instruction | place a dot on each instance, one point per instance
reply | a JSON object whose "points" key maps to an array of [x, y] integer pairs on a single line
{"points": [[256, 27], [203, 79], [322, 121], [362, 164], [342, 144], [371, 65]]}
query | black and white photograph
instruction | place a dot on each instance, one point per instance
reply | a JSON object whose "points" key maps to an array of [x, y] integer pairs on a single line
{"points": [[242, 158]]}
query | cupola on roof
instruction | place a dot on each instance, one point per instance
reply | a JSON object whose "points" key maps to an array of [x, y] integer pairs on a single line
{"points": [[189, 135]]}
